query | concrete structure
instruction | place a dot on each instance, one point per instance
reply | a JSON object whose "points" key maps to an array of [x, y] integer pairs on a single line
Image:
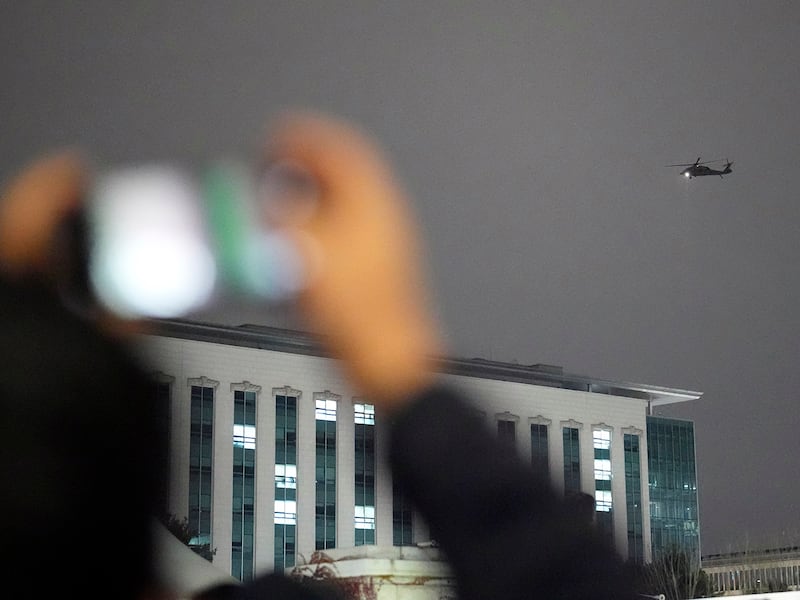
{"points": [[383, 573], [754, 571], [273, 458]]}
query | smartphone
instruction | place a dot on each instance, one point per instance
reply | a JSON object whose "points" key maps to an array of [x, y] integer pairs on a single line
{"points": [[162, 241]]}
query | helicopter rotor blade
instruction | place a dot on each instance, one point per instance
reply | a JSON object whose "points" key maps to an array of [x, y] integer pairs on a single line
{"points": [[696, 164]]}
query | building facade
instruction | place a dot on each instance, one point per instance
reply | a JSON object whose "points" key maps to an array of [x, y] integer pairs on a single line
{"points": [[273, 458]]}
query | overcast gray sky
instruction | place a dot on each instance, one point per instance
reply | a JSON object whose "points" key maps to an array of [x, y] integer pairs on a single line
{"points": [[532, 138]]}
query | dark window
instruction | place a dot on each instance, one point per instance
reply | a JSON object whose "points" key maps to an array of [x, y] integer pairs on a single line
{"points": [[572, 460], [402, 517], [325, 474], [540, 455], [633, 498], [507, 432], [200, 464]]}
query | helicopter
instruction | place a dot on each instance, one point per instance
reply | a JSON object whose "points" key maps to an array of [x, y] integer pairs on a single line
{"points": [[699, 169]]}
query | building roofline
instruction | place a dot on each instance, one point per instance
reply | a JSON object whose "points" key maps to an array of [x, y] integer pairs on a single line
{"points": [[301, 342], [751, 556], [555, 377]]}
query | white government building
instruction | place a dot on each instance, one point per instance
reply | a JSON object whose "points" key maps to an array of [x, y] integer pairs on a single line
{"points": [[273, 458]]}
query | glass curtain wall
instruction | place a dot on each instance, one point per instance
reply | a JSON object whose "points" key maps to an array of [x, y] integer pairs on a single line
{"points": [[673, 485]]}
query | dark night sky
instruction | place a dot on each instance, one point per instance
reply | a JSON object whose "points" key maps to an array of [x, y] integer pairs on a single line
{"points": [[532, 138]]}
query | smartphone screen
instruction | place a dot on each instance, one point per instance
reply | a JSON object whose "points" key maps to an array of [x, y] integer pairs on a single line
{"points": [[149, 254], [163, 241]]}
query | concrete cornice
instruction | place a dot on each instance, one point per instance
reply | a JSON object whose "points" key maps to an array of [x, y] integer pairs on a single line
{"points": [[300, 342]]}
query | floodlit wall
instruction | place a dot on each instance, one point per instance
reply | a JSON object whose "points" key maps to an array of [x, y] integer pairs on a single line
{"points": [[381, 573]]}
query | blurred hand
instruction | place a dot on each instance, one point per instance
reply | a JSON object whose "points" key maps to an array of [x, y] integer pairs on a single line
{"points": [[31, 209], [365, 292]]}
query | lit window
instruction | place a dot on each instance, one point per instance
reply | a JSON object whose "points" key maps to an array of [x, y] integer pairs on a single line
{"points": [[244, 436], [365, 517], [602, 469], [601, 441], [364, 414], [602, 500], [285, 512], [286, 476], [325, 410]]}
